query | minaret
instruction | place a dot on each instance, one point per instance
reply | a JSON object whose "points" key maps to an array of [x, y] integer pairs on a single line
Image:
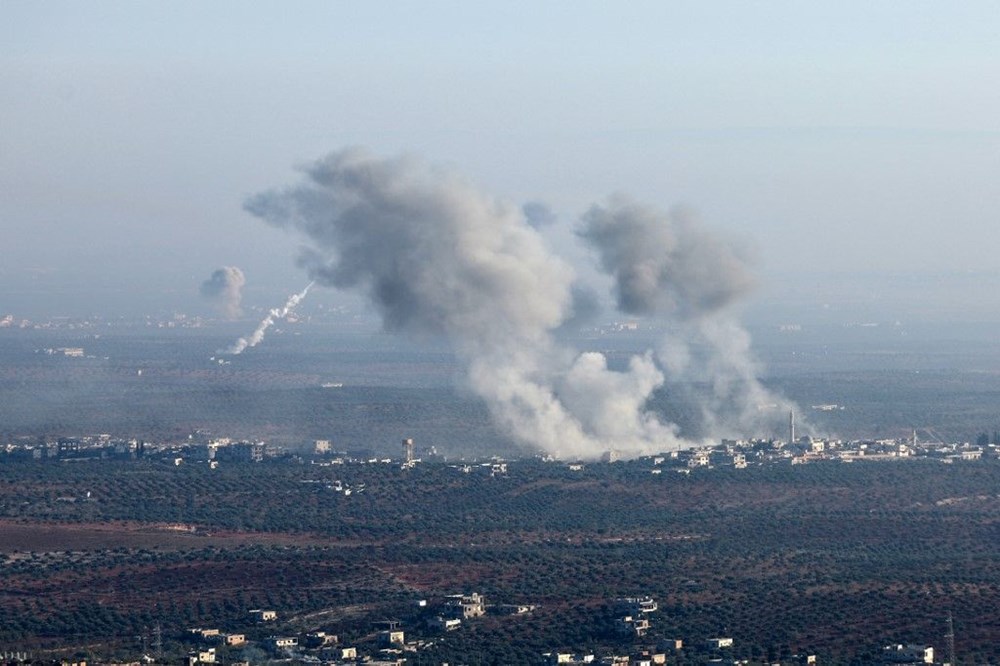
{"points": [[791, 427], [408, 451]]}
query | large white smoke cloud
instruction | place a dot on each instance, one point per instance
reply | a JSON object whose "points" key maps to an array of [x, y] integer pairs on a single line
{"points": [[225, 289], [437, 256]]}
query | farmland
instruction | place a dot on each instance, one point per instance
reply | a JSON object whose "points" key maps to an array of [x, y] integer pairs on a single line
{"points": [[829, 558]]}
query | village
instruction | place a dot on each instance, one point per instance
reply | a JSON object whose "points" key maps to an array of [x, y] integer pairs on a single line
{"points": [[389, 643], [202, 448]]}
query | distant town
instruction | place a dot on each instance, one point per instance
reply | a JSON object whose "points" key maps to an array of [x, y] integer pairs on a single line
{"points": [[200, 448]]}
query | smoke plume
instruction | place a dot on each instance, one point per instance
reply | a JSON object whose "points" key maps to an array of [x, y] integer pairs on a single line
{"points": [[665, 264], [537, 214], [225, 289], [273, 315], [438, 257]]}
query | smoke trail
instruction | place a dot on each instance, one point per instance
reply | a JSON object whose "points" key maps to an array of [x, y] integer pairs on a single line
{"points": [[438, 257], [667, 265], [255, 338], [224, 288]]}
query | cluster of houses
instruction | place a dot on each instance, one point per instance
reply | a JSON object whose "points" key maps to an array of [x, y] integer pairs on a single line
{"points": [[890, 655], [740, 454], [325, 647], [640, 658], [633, 615], [632, 621], [392, 647], [388, 646]]}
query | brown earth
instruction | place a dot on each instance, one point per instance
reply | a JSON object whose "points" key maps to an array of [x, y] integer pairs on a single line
{"points": [[18, 537]]}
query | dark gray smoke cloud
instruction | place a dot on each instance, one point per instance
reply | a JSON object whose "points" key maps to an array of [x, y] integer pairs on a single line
{"points": [[664, 263], [537, 214], [436, 256], [225, 289]]}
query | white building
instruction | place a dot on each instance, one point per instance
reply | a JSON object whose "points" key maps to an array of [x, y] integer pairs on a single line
{"points": [[282, 642], [263, 615], [908, 654], [445, 623]]}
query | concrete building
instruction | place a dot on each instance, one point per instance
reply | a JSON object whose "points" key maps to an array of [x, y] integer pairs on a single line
{"points": [[445, 623], [242, 452], [319, 639], [467, 606], [632, 625], [283, 642], [907, 654], [699, 459], [201, 657], [391, 637], [636, 605], [567, 658], [516, 609], [205, 633], [259, 615]]}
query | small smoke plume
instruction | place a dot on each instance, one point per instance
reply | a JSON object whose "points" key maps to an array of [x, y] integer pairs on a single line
{"points": [[273, 315], [225, 289], [437, 257]]}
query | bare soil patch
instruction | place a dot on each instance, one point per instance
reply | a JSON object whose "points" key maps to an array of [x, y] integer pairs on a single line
{"points": [[42, 537]]}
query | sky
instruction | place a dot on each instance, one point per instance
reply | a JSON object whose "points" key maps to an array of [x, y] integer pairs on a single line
{"points": [[833, 138]]}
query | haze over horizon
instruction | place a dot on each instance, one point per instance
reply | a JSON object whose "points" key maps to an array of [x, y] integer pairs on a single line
{"points": [[837, 140]]}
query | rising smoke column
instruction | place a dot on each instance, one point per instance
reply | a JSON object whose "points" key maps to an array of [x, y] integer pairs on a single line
{"points": [[274, 314], [438, 257], [667, 265], [225, 289]]}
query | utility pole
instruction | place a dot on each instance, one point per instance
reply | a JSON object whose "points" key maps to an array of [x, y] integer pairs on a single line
{"points": [[950, 640], [158, 642]]}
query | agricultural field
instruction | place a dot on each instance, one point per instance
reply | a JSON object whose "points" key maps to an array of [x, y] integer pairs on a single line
{"points": [[829, 558]]}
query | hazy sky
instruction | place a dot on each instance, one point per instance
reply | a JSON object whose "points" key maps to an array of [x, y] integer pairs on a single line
{"points": [[834, 136]]}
